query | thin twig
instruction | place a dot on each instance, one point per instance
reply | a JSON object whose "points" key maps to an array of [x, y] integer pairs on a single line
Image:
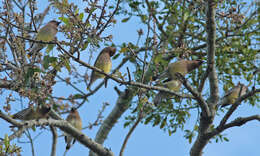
{"points": [[129, 75], [110, 18], [202, 103], [28, 134], [129, 133]]}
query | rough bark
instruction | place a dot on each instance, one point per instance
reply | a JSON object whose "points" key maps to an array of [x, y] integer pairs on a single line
{"points": [[121, 106], [207, 119]]}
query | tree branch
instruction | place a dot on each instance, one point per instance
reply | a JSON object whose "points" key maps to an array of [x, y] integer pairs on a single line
{"points": [[140, 116], [66, 127], [202, 103], [54, 140], [211, 50], [237, 122], [122, 104], [124, 82], [206, 118], [10, 120]]}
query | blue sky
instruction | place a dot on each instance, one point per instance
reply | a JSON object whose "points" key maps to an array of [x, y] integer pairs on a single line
{"points": [[146, 140]]}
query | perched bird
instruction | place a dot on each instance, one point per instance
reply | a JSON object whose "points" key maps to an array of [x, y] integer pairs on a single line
{"points": [[45, 34], [182, 66], [74, 119], [104, 63], [173, 85], [231, 96], [33, 112]]}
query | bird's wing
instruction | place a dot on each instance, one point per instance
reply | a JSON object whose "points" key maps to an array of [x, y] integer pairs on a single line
{"points": [[23, 113], [230, 91]]}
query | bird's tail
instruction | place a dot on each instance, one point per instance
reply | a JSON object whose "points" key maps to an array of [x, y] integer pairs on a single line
{"points": [[158, 98], [91, 81], [161, 76], [223, 103], [68, 146], [105, 81], [36, 48]]}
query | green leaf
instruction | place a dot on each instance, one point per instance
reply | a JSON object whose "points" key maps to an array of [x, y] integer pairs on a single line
{"points": [[67, 65], [34, 128], [158, 58], [64, 20], [163, 122], [125, 19], [77, 96], [144, 18], [77, 11], [148, 119], [123, 50], [81, 16], [157, 120], [190, 138], [85, 46], [6, 141], [226, 139], [49, 48], [116, 56], [169, 132], [47, 60], [186, 15], [126, 124]]}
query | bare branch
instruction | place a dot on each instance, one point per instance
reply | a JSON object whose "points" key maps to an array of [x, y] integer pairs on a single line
{"points": [[129, 133], [237, 122], [151, 12], [54, 140], [110, 18], [203, 79], [122, 104]]}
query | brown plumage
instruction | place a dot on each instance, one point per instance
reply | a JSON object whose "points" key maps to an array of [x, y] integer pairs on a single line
{"points": [[183, 67], [32, 113], [104, 63], [233, 94], [74, 119], [45, 34]]}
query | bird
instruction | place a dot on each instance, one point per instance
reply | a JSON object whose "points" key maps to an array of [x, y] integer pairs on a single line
{"points": [[46, 34], [33, 112], [233, 94], [74, 119], [104, 63], [182, 66], [173, 85]]}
